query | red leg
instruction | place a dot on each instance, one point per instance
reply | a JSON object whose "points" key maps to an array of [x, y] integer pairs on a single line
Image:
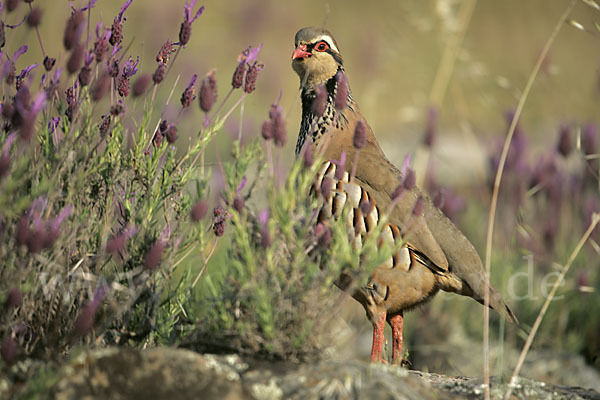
{"points": [[378, 338], [397, 323]]}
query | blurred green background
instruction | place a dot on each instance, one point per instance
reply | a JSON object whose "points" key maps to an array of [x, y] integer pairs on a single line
{"points": [[392, 52]]}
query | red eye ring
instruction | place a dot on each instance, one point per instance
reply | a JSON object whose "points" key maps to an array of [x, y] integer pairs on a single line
{"points": [[321, 46]]}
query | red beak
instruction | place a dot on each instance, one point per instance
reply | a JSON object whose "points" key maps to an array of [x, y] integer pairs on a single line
{"points": [[301, 52]]}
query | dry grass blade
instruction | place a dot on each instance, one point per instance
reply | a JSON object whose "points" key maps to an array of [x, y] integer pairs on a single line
{"points": [[496, 190], [538, 320]]}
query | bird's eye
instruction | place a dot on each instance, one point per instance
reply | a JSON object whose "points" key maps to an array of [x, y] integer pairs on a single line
{"points": [[322, 46]]}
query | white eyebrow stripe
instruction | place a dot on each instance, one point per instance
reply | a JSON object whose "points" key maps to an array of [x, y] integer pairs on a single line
{"points": [[329, 40]]}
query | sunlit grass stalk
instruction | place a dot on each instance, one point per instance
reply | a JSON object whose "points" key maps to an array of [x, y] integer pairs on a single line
{"points": [[496, 190], [538, 320]]}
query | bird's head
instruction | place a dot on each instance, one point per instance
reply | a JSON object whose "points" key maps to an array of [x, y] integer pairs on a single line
{"points": [[316, 57]]}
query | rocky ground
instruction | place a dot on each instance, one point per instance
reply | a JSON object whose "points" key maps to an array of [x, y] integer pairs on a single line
{"points": [[166, 373]]}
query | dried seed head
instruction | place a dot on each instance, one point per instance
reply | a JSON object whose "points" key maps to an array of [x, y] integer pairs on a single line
{"points": [[11, 5], [199, 210], [157, 139], [238, 75], [105, 124], [219, 220], [319, 104], [171, 134], [116, 33], [251, 75], [267, 130], [153, 255], [238, 204], [100, 87], [163, 126], [123, 87], [73, 29], [141, 85], [113, 68], [34, 17], [341, 92], [419, 207], [117, 108], [189, 94], [409, 179], [208, 91], [76, 59], [165, 52], [85, 74], [185, 32], [159, 75], [49, 63], [565, 144], [360, 135]]}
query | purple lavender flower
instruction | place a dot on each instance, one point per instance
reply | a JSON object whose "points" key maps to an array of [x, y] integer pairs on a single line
{"points": [[49, 63], [339, 171], [171, 134], [85, 74], [565, 144], [278, 125], [34, 17], [116, 29], [199, 210], [341, 93], [53, 130], [323, 234], [267, 130], [8, 68], [238, 204], [263, 219], [75, 60], [164, 54], [101, 45], [154, 254], [159, 75], [24, 74], [189, 94], [360, 135], [11, 5], [73, 29], [100, 87], [320, 102], [326, 187], [140, 86], [105, 124], [185, 32], [8, 349], [308, 157], [419, 206], [129, 69], [208, 91], [409, 179], [116, 244]]}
